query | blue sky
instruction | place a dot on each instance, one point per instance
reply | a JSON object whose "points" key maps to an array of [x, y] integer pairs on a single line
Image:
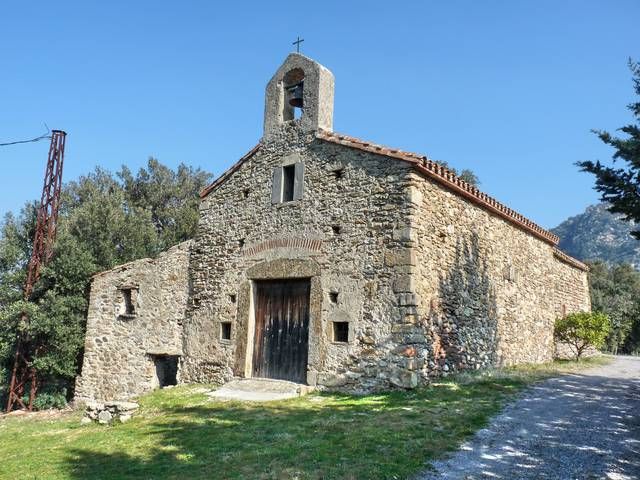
{"points": [[509, 89]]}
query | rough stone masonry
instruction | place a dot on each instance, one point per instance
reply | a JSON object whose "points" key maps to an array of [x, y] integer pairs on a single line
{"points": [[411, 272]]}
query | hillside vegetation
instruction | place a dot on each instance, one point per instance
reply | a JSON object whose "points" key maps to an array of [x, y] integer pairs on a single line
{"points": [[598, 234]]}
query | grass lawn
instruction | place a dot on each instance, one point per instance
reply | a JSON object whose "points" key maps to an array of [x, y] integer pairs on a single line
{"points": [[179, 433]]}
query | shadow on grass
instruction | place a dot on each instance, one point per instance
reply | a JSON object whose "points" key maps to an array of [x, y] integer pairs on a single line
{"points": [[586, 423], [389, 435]]}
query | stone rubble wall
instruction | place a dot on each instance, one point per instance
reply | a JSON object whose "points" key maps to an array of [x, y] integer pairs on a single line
{"points": [[239, 237], [118, 355], [571, 285], [487, 292], [429, 282]]}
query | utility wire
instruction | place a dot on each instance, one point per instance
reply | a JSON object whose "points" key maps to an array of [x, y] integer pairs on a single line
{"points": [[37, 139]]}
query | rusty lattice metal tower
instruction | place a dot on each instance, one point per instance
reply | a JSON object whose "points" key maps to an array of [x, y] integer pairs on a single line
{"points": [[23, 373]]}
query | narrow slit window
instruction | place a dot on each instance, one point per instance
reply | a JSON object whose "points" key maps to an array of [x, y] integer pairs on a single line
{"points": [[128, 301], [288, 181], [341, 332], [225, 331]]}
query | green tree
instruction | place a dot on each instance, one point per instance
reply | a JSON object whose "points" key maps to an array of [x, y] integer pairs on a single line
{"points": [[582, 330], [620, 186], [105, 220], [172, 198], [467, 175], [615, 291]]}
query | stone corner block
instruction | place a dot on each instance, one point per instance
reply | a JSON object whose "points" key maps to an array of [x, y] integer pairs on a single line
{"points": [[404, 378], [400, 257]]}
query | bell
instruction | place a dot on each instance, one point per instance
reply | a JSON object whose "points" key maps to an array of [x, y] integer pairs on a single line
{"points": [[296, 95]]}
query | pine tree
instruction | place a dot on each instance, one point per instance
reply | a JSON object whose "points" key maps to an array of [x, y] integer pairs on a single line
{"points": [[619, 185]]}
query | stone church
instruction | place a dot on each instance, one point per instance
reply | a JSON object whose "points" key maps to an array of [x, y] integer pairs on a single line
{"points": [[332, 262]]}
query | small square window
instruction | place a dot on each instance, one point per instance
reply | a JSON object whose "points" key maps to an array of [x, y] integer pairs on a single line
{"points": [[341, 332], [333, 296], [232, 298], [288, 180], [225, 330]]}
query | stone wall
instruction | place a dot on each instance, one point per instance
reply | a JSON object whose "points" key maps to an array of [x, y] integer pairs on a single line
{"points": [[120, 347], [429, 281], [488, 292], [572, 295], [339, 234]]}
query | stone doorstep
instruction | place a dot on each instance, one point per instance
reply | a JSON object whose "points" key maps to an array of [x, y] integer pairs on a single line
{"points": [[259, 390]]}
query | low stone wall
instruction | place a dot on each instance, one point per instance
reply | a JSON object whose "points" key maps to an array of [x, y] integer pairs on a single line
{"points": [[135, 316], [109, 412]]}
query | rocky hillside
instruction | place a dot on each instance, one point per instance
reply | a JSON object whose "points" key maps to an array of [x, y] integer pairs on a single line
{"points": [[597, 234]]}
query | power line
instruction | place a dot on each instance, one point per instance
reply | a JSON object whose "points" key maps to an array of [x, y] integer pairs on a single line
{"points": [[37, 139]]}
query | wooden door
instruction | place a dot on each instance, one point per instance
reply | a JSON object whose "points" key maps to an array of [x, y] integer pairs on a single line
{"points": [[281, 340]]}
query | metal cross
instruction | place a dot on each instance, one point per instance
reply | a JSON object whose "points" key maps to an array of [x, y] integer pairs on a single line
{"points": [[297, 44]]}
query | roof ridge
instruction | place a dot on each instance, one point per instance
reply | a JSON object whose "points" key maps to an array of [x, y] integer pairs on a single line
{"points": [[207, 190], [445, 177], [570, 260]]}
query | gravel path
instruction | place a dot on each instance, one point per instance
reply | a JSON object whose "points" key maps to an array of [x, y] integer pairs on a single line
{"points": [[579, 426]]}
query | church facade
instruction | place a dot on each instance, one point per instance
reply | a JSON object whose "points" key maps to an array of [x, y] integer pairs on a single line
{"points": [[333, 262]]}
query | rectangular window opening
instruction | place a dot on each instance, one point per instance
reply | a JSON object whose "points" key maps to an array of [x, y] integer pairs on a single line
{"points": [[333, 296], [341, 332], [288, 180], [127, 296], [225, 330]]}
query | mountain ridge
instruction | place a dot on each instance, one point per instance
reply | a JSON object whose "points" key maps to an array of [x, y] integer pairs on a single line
{"points": [[597, 234]]}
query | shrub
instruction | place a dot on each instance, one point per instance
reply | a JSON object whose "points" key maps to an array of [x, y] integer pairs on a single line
{"points": [[582, 330], [46, 400]]}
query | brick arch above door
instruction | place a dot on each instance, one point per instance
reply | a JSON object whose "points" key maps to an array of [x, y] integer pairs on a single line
{"points": [[283, 268]]}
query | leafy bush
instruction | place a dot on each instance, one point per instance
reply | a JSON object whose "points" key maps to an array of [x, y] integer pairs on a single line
{"points": [[47, 400], [582, 330]]}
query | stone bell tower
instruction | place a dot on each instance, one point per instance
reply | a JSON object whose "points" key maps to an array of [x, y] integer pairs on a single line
{"points": [[300, 91]]}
